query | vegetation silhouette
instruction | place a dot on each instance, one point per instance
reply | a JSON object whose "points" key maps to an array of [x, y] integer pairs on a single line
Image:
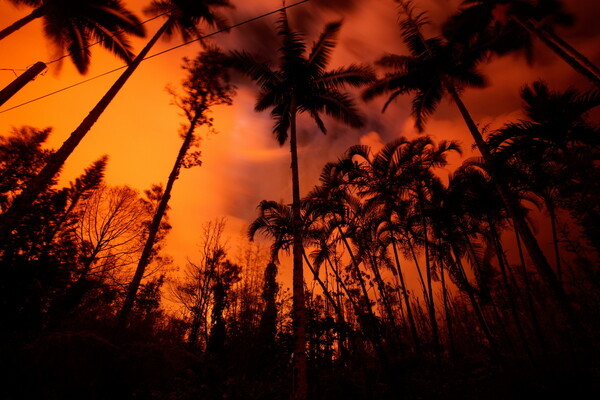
{"points": [[421, 283]]}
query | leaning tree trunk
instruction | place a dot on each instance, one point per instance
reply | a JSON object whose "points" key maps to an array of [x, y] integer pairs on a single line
{"points": [[11, 218], [15, 26], [448, 315], [385, 299], [432, 314], [411, 320], [591, 74], [510, 288], [553, 224], [512, 206], [326, 292], [154, 228], [299, 367], [570, 49], [12, 88]]}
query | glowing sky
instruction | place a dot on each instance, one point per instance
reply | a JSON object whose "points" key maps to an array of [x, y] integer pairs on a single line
{"points": [[243, 163]]}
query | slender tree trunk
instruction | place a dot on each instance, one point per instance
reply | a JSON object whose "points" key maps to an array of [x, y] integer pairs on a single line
{"points": [[448, 316], [299, 367], [510, 290], [324, 288], [340, 282], [571, 50], [411, 320], [470, 293], [15, 26], [584, 70], [386, 303], [530, 303], [418, 268], [553, 224], [12, 88], [11, 218], [511, 204], [432, 314], [338, 311], [154, 229], [370, 324], [359, 276]]}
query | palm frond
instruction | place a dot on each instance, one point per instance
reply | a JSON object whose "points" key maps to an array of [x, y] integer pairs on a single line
{"points": [[352, 75], [320, 54], [425, 103], [282, 117], [339, 106], [256, 70]]}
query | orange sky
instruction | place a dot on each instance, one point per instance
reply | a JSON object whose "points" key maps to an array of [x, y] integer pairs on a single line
{"points": [[243, 163]]}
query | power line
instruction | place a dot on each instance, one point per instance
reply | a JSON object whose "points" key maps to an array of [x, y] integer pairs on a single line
{"points": [[156, 54]]}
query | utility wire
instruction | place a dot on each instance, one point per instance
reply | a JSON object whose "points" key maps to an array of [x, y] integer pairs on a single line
{"points": [[156, 54]]}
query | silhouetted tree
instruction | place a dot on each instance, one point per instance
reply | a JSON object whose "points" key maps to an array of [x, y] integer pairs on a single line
{"points": [[206, 86], [74, 26], [302, 84], [435, 68], [511, 24], [182, 15]]}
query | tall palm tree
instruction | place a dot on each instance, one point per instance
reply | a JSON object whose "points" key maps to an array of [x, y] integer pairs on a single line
{"points": [[552, 146], [276, 221], [74, 25], [512, 25], [302, 84], [206, 86], [183, 16], [390, 177], [434, 68]]}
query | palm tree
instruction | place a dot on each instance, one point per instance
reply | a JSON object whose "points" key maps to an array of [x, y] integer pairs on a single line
{"points": [[183, 16], [551, 147], [339, 213], [302, 84], [74, 25], [206, 86], [435, 68], [276, 221], [388, 179], [518, 22]]}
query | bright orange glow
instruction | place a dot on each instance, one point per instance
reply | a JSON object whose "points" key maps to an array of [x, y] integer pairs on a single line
{"points": [[243, 164]]}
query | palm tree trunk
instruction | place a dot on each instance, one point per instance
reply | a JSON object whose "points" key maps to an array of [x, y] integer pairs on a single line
{"points": [[418, 268], [448, 316], [12, 88], [411, 320], [359, 276], [584, 70], [299, 367], [570, 49], [15, 26], [370, 324], [432, 314], [154, 228], [11, 218], [324, 288], [512, 206], [338, 311], [510, 290], [553, 224], [471, 294], [528, 295], [340, 282], [385, 299]]}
